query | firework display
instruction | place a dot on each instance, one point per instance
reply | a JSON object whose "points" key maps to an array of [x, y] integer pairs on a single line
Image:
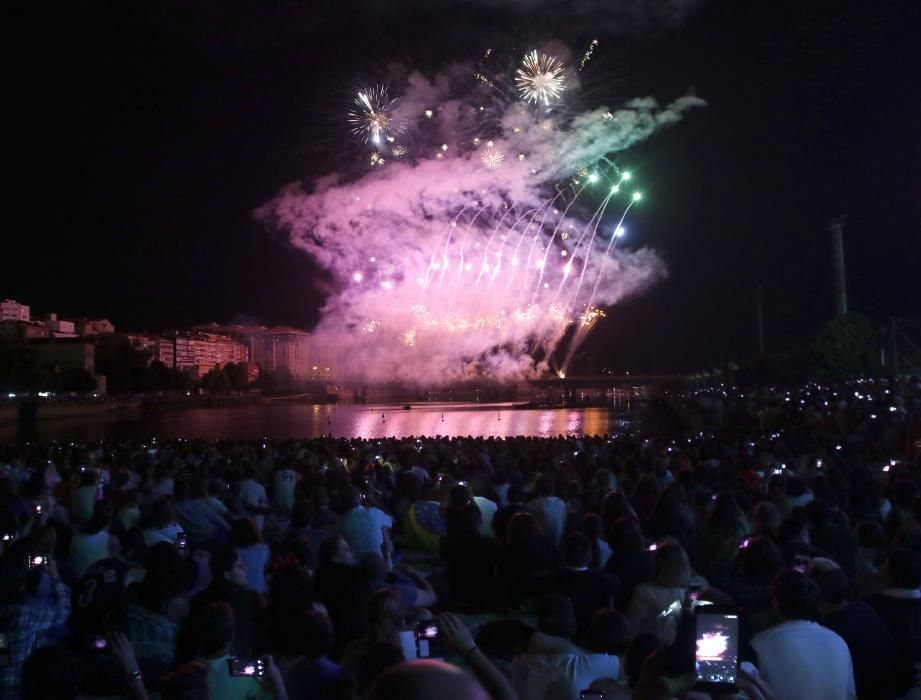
{"points": [[374, 115], [456, 261], [540, 78]]}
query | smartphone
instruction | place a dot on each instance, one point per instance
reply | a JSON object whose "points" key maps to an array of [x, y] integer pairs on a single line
{"points": [[182, 541], [6, 654], [254, 668], [38, 508], [7, 537], [98, 643], [716, 659], [428, 642], [694, 590], [800, 563], [36, 560]]}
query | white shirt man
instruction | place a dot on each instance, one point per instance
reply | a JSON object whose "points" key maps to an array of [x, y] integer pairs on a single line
{"points": [[363, 528], [283, 491], [551, 514], [801, 660], [560, 676]]}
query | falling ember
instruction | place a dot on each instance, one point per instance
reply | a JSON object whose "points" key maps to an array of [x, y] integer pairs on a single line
{"points": [[357, 277], [540, 78], [429, 113], [492, 158], [409, 338], [398, 151]]}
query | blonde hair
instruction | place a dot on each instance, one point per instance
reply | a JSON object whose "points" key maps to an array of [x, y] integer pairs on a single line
{"points": [[670, 566]]}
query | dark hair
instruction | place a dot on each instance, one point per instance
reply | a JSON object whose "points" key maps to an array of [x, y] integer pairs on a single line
{"points": [[515, 494], [640, 648], [162, 513], [302, 514], [607, 633], [186, 682], [326, 552], [626, 537], [796, 595], [215, 627], [555, 616], [591, 526], [544, 487], [100, 519], [380, 657], [316, 634], [50, 673], [761, 560], [832, 583], [577, 549], [522, 530], [904, 567], [725, 516], [243, 532], [350, 497]]}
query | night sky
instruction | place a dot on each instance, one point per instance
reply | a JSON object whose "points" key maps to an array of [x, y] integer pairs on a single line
{"points": [[142, 139]]}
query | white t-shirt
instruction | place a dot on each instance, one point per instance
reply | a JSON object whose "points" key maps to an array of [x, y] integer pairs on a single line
{"points": [[257, 558], [802, 660], [285, 482], [551, 514], [363, 528], [162, 534], [253, 493], [86, 550], [487, 511], [560, 676]]}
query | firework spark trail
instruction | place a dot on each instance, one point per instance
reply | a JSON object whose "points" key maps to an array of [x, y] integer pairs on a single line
{"points": [[463, 266], [485, 267], [556, 229], [587, 56], [596, 219], [434, 263], [591, 243], [608, 250]]}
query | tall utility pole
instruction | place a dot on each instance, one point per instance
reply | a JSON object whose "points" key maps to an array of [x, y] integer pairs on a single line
{"points": [[759, 318], [837, 241]]}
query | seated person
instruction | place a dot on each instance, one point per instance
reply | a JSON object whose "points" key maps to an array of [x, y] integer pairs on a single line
{"points": [[869, 640], [313, 675], [800, 659], [899, 605], [589, 589], [555, 667], [216, 625]]}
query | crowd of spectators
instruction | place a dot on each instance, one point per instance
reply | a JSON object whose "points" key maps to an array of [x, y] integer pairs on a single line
{"points": [[145, 569]]}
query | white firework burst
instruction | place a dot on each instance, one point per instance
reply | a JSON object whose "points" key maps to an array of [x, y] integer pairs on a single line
{"points": [[540, 78], [375, 116], [492, 158]]}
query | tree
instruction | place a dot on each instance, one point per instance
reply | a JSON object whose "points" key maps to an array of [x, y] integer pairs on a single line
{"points": [[237, 374], [847, 346], [215, 381], [72, 381], [123, 365], [19, 372]]}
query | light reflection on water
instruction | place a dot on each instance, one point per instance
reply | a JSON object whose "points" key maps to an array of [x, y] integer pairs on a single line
{"points": [[281, 420]]}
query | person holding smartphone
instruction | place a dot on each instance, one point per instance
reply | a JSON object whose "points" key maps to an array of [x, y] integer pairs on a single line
{"points": [[229, 677], [27, 618]]}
